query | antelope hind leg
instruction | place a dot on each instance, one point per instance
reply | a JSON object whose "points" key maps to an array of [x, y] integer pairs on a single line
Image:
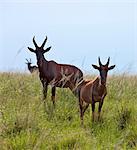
{"points": [[53, 95], [81, 111]]}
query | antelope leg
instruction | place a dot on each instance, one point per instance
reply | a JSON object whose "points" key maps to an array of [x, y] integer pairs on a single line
{"points": [[85, 108], [53, 94], [93, 109], [45, 89], [81, 110], [99, 108]]}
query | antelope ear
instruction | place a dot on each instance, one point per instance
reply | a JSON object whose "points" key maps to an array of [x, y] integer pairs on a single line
{"points": [[95, 67], [32, 50], [111, 67], [46, 50]]}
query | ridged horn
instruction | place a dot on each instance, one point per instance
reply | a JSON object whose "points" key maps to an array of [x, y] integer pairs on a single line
{"points": [[108, 61], [43, 44], [99, 61], [35, 42], [27, 60]]}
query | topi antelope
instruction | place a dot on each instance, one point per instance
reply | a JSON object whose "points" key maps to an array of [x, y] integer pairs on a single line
{"points": [[52, 72], [94, 91], [32, 69]]}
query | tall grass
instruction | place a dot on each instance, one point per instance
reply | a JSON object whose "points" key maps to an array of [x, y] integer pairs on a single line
{"points": [[25, 123]]}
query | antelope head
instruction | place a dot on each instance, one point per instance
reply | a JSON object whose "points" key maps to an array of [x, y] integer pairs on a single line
{"points": [[39, 50], [103, 70]]}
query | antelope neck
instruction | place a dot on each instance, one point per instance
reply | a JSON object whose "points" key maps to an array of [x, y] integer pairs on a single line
{"points": [[29, 66], [40, 61], [102, 83]]}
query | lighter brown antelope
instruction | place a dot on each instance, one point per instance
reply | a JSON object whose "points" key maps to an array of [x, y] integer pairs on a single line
{"points": [[32, 69], [93, 91]]}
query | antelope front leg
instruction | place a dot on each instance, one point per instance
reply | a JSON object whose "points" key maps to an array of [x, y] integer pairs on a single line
{"points": [[93, 111], [45, 89], [100, 105], [53, 95], [99, 108], [85, 108]]}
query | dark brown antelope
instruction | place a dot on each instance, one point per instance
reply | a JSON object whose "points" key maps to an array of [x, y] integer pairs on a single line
{"points": [[52, 72], [94, 91], [32, 69]]}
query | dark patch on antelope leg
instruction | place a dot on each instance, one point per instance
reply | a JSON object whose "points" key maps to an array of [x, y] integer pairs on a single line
{"points": [[93, 110], [81, 110], [53, 90], [85, 108], [99, 108], [93, 107], [45, 89]]}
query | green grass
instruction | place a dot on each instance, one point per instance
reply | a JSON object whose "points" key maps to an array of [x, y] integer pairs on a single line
{"points": [[26, 124]]}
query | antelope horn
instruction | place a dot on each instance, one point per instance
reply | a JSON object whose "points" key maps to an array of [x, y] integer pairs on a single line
{"points": [[35, 42], [43, 44], [27, 60], [99, 61], [108, 61]]}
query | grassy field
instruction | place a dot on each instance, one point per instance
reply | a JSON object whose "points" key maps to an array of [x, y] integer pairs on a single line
{"points": [[25, 124]]}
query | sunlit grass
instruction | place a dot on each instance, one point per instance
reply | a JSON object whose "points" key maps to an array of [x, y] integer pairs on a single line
{"points": [[25, 123]]}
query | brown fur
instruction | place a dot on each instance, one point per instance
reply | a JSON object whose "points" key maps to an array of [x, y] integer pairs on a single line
{"points": [[94, 91], [54, 74]]}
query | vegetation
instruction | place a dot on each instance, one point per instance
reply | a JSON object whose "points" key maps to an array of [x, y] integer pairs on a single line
{"points": [[25, 123]]}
